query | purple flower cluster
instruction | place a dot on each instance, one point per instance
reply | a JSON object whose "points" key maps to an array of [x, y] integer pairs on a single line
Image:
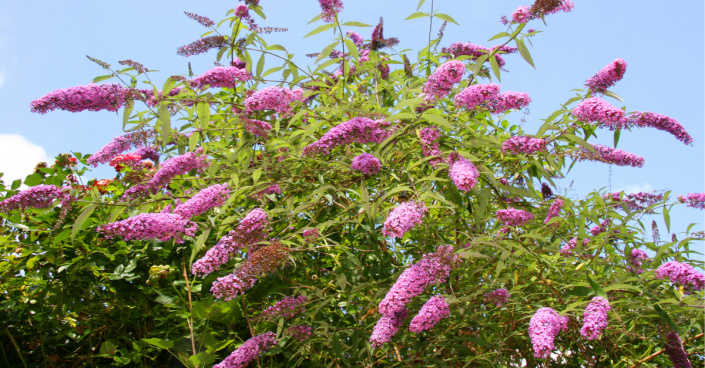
{"points": [[522, 144], [554, 210], [386, 327], [148, 226], [674, 350], [273, 98], [300, 332], [252, 229], [429, 146], [607, 77], [432, 311], [498, 297], [289, 307], [249, 351], [40, 196], [147, 153], [92, 97], [514, 217], [204, 21], [202, 45], [442, 80], [597, 109], [403, 218], [567, 249], [367, 163], [595, 318], [355, 130], [243, 12], [506, 101], [178, 165], [119, 145], [695, 200], [429, 135], [257, 128], [476, 95], [657, 121], [682, 274], [636, 201], [522, 14], [636, 259], [272, 189], [356, 38], [475, 51], [311, 235], [601, 228], [544, 326], [204, 200], [221, 77], [611, 156], [462, 172], [329, 9], [433, 268]]}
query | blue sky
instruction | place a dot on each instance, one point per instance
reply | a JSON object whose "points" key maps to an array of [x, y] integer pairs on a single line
{"points": [[43, 46]]}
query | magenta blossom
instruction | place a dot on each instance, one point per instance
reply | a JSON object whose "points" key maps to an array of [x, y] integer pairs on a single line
{"points": [[442, 80], [221, 77], [204, 200], [289, 307], [273, 98], [657, 121], [554, 210], [149, 226], [366, 163], [544, 326], [249, 351], [462, 172], [607, 77], [355, 130], [40, 196], [522, 14], [476, 95], [674, 350], [596, 109], [682, 274], [694, 200], [403, 218], [595, 318], [329, 9], [506, 101], [386, 327], [92, 97], [434, 310], [514, 217], [498, 297], [522, 144]]}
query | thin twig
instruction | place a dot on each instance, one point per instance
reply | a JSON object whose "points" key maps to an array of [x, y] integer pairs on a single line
{"points": [[190, 311]]}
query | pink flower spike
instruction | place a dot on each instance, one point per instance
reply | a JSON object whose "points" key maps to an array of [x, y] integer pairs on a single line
{"points": [[607, 77], [403, 218], [434, 310]]}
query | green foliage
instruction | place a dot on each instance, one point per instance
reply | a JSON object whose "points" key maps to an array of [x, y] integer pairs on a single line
{"points": [[73, 297]]}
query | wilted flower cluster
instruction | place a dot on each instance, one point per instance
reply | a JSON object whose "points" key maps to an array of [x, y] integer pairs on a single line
{"points": [[221, 77], [597, 109], [523, 144], [119, 145], [263, 261], [498, 297], [433, 268], [636, 201], [694, 200], [607, 77], [554, 210], [657, 121], [595, 318], [202, 45], [273, 98], [636, 259], [386, 327], [432, 311], [674, 350], [92, 97], [289, 307], [204, 200], [249, 351], [148, 226], [475, 51], [355, 130], [403, 218], [682, 274], [252, 229], [609, 155], [40, 196], [300, 332], [442, 80], [514, 217], [544, 326], [366, 163], [329, 9], [462, 172]]}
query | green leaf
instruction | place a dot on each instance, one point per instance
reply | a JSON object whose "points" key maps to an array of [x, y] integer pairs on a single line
{"points": [[445, 17], [108, 347], [596, 288], [276, 47], [202, 358], [667, 219], [478, 63], [666, 318], [524, 52], [127, 112], [356, 24], [168, 86], [102, 78], [256, 175], [617, 133], [495, 67], [198, 245], [320, 29], [326, 51], [159, 343], [417, 15], [165, 121], [260, 65], [499, 35], [420, 3], [87, 211], [33, 179]]}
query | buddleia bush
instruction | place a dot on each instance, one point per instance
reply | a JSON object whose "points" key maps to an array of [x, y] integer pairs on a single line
{"points": [[371, 209]]}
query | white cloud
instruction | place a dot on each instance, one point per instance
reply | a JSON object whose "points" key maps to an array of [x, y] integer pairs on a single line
{"points": [[18, 157], [636, 188]]}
